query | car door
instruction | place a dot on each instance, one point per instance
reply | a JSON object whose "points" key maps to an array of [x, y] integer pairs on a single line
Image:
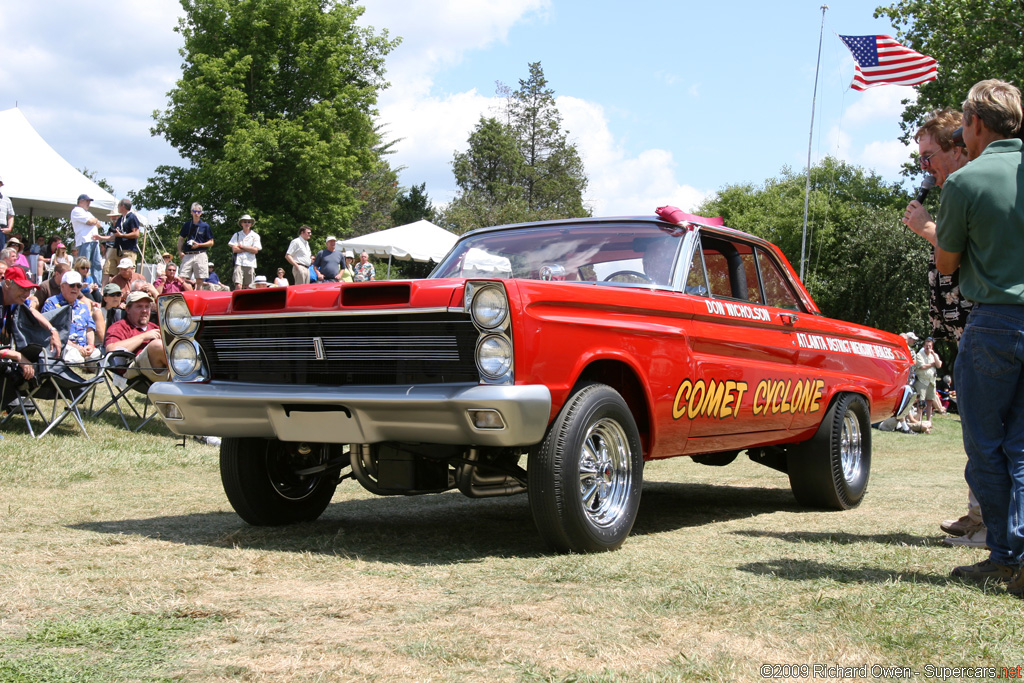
{"points": [[746, 374]]}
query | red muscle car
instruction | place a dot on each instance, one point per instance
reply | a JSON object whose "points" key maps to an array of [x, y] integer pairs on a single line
{"points": [[578, 348]]}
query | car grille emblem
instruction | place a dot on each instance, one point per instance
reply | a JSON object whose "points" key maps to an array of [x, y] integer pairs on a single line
{"points": [[318, 348]]}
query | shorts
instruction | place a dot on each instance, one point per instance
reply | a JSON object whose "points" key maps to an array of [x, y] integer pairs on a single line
{"points": [[243, 276], [113, 257], [194, 266], [144, 366], [925, 391]]}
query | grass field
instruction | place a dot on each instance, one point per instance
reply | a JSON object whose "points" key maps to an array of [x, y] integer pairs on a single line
{"points": [[121, 560]]}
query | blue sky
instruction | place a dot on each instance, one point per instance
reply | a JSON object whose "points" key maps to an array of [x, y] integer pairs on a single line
{"points": [[667, 101]]}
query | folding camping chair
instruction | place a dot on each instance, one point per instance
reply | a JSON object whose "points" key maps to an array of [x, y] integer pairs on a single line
{"points": [[121, 388], [57, 383]]}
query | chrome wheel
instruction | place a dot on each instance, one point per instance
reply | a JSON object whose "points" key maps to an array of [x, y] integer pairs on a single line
{"points": [[851, 447], [585, 477], [606, 473]]}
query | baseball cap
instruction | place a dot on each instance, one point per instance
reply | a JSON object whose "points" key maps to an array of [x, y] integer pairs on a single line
{"points": [[72, 277], [85, 197], [126, 263], [332, 238], [138, 296], [111, 289], [16, 275]]}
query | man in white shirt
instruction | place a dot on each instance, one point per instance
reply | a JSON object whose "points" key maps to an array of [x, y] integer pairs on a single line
{"points": [[300, 256], [87, 236], [245, 244]]}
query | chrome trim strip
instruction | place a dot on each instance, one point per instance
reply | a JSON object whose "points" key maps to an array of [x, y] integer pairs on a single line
{"points": [[322, 314]]}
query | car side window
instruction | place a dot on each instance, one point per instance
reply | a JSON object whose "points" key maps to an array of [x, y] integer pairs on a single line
{"points": [[731, 269], [777, 290]]}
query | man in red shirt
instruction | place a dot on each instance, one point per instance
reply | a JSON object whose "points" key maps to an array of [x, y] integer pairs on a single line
{"points": [[137, 334]]}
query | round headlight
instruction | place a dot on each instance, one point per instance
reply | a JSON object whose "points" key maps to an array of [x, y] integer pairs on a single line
{"points": [[489, 307], [177, 317], [183, 358], [494, 357]]}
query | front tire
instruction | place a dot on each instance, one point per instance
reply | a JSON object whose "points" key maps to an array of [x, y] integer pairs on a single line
{"points": [[262, 482], [832, 469], [584, 479]]}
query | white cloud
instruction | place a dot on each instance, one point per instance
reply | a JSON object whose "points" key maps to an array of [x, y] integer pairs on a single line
{"points": [[439, 34], [620, 184], [885, 157], [883, 103]]}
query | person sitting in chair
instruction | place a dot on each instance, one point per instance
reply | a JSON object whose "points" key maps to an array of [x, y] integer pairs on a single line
{"points": [[15, 367], [138, 335], [81, 345]]}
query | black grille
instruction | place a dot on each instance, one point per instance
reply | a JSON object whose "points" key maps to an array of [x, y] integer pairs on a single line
{"points": [[373, 350]]}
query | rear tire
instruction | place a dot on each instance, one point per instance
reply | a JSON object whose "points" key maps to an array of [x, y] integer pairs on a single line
{"points": [[585, 478], [262, 484], [832, 469]]}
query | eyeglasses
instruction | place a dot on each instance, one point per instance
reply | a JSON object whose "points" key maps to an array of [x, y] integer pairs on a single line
{"points": [[926, 159], [79, 286], [199, 212]]}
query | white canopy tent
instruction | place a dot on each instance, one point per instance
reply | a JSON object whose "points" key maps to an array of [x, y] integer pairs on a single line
{"points": [[39, 181], [420, 241]]}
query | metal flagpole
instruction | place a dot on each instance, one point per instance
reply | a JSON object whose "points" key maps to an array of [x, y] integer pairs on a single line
{"points": [[810, 141]]}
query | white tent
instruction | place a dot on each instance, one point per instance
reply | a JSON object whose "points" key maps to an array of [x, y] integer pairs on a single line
{"points": [[39, 181], [419, 241]]}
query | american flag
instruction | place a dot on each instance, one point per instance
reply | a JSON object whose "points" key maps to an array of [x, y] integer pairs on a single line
{"points": [[882, 61]]}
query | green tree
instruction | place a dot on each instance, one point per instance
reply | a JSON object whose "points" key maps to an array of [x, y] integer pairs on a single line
{"points": [[377, 191], [521, 168], [863, 265], [274, 115], [553, 178], [412, 206], [971, 39]]}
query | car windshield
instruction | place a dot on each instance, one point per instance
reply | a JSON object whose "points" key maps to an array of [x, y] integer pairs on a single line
{"points": [[612, 253]]}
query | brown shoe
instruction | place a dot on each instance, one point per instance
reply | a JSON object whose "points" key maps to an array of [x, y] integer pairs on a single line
{"points": [[960, 527], [984, 571], [1016, 587]]}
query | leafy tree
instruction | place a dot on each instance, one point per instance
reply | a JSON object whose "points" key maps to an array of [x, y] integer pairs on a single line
{"points": [[863, 264], [377, 191], [971, 39], [412, 206], [520, 168], [273, 113]]}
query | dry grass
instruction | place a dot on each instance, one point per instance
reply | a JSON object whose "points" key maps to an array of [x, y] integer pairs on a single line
{"points": [[121, 560]]}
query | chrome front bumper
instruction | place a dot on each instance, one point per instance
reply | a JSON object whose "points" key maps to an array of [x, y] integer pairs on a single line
{"points": [[438, 413]]}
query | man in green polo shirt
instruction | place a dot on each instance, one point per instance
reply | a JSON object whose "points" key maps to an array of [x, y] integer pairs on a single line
{"points": [[981, 231]]}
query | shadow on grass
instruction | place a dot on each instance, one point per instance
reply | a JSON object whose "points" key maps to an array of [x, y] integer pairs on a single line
{"points": [[811, 570], [842, 538], [441, 528]]}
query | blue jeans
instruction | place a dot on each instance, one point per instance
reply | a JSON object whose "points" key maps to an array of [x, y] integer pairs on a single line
{"points": [[91, 251], [990, 395]]}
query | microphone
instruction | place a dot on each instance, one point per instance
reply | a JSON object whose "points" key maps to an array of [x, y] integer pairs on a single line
{"points": [[928, 184]]}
